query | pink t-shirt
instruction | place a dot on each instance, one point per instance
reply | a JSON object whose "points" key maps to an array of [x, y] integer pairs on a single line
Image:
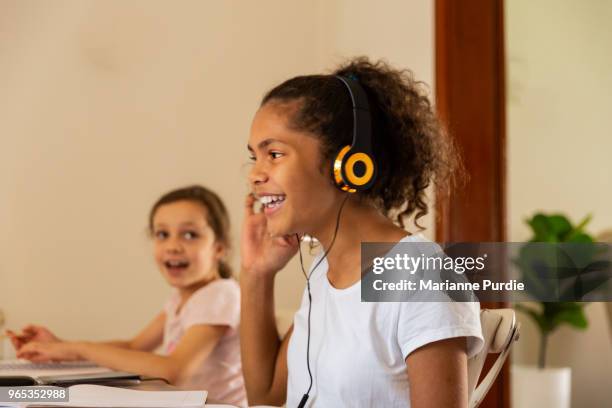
{"points": [[217, 303]]}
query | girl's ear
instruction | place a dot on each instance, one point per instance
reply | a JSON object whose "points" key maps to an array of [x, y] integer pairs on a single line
{"points": [[220, 250]]}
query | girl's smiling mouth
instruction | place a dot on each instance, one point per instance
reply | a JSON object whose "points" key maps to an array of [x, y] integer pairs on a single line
{"points": [[176, 267], [272, 202]]}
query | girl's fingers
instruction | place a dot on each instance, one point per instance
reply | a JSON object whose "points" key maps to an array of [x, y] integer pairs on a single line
{"points": [[288, 240], [12, 334], [15, 340], [30, 331], [248, 204], [284, 240], [30, 328], [34, 357], [32, 352], [27, 348]]}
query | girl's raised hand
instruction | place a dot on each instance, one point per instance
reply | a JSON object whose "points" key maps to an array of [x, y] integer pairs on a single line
{"points": [[261, 253]]}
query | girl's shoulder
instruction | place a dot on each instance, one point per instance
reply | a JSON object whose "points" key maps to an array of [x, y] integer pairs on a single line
{"points": [[217, 303], [218, 298], [224, 284], [417, 243], [219, 287]]}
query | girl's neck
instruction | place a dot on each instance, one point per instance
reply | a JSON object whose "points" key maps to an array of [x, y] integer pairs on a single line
{"points": [[358, 223]]}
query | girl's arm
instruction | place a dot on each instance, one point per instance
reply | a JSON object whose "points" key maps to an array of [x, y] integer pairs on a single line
{"points": [[196, 344], [264, 354], [437, 374], [148, 339]]}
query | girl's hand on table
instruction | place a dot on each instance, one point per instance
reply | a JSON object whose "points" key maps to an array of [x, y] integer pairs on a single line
{"points": [[40, 352]]}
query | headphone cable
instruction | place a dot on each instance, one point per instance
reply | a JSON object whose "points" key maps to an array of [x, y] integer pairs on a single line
{"points": [[302, 403]]}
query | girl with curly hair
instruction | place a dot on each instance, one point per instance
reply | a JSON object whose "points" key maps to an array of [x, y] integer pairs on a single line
{"points": [[341, 351]]}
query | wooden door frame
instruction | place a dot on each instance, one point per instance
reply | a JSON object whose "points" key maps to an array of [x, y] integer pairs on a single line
{"points": [[470, 99]]}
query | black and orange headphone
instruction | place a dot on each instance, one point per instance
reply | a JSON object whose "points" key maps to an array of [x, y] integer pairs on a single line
{"points": [[354, 168]]}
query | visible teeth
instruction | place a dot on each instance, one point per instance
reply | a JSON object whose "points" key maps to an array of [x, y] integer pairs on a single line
{"points": [[268, 199]]}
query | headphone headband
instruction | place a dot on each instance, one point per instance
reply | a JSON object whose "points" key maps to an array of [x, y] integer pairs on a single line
{"points": [[354, 168], [362, 123]]}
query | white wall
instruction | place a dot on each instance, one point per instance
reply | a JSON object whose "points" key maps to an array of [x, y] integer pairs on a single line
{"points": [[107, 104], [559, 155]]}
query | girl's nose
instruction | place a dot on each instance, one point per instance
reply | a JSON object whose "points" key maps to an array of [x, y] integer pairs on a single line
{"points": [[257, 176], [174, 245]]}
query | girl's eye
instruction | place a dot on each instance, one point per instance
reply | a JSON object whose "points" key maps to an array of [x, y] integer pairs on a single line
{"points": [[161, 235], [275, 155], [252, 157], [190, 235]]}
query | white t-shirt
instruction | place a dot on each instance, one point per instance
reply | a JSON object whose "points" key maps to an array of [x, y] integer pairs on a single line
{"points": [[358, 349]]}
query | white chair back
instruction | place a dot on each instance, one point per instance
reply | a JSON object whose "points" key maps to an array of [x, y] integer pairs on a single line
{"points": [[499, 330]]}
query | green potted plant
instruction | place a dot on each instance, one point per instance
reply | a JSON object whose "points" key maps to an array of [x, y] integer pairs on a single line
{"points": [[546, 386], [549, 316]]}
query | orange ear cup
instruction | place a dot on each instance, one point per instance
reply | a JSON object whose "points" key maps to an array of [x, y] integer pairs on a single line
{"points": [[338, 170], [352, 181], [355, 158]]}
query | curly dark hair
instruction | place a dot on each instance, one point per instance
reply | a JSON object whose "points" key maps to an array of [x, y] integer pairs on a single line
{"points": [[410, 146], [216, 215]]}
